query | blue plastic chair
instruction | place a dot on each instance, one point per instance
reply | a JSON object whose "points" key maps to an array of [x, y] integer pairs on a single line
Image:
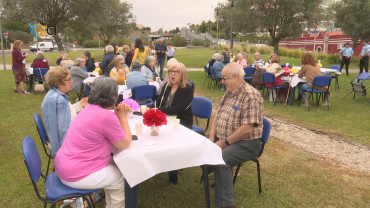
{"points": [[201, 107], [144, 92], [192, 86], [249, 73], [39, 75], [269, 77], [318, 81], [206, 70], [43, 136], [55, 190], [213, 79], [335, 76], [264, 139]]}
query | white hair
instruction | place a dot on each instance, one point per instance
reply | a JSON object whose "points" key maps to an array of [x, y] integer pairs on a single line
{"points": [[215, 55], [109, 49], [237, 69], [220, 58]]}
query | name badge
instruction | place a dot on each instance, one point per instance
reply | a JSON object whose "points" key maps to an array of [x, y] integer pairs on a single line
{"points": [[235, 107]]}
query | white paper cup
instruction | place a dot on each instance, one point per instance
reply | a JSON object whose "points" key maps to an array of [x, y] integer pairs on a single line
{"points": [[176, 123], [138, 127], [287, 64], [143, 109], [158, 79]]}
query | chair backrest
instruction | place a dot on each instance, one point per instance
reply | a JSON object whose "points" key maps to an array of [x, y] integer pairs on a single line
{"points": [[201, 107], [249, 71], [321, 81], [268, 77], [266, 130], [211, 70], [32, 159], [143, 92], [363, 76], [192, 86], [336, 67], [209, 61], [206, 69], [40, 127], [36, 72]]}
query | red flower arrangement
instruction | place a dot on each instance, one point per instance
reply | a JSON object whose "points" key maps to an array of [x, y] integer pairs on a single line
{"points": [[154, 117]]}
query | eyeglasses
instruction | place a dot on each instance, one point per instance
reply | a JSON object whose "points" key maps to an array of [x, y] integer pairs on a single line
{"points": [[225, 78], [68, 80], [173, 72]]}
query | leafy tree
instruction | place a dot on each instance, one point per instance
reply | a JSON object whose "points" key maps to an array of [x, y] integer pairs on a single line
{"points": [[280, 18], [177, 30], [353, 16]]}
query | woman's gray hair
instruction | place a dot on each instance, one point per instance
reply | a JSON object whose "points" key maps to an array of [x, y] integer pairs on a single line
{"points": [[109, 49], [236, 69], [136, 66], [147, 61], [40, 55], [78, 61], [118, 59], [220, 58], [104, 92], [215, 55]]}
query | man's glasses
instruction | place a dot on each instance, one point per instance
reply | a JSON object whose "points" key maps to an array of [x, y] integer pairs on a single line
{"points": [[173, 72], [225, 78], [68, 80]]}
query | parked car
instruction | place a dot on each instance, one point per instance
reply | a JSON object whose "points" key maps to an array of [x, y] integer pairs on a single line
{"points": [[42, 46]]}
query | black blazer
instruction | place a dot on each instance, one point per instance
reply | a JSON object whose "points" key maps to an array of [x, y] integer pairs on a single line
{"points": [[128, 59], [180, 102], [90, 65]]}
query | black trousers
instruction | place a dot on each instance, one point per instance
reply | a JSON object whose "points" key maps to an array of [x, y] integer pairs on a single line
{"points": [[346, 61], [364, 62]]}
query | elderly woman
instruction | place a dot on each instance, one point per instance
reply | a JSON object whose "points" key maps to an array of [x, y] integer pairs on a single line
{"points": [[89, 62], [84, 160], [213, 60], [310, 69], [140, 51], [40, 61], [107, 63], [66, 61], [136, 78], [177, 94], [149, 68], [18, 63], [34, 60], [78, 74], [217, 68], [125, 50], [57, 110], [276, 69], [241, 61], [119, 71]]}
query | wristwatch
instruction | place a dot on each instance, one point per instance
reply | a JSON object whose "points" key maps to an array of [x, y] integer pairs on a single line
{"points": [[227, 142]]}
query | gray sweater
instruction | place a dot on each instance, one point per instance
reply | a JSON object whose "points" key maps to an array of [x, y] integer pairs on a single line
{"points": [[149, 73], [78, 75]]}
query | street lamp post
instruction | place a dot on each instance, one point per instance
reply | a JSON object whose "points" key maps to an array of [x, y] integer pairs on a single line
{"points": [[210, 26], [217, 9], [231, 24]]}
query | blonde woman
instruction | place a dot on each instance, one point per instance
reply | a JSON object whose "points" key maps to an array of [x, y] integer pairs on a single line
{"points": [[125, 50], [119, 71], [66, 61]]}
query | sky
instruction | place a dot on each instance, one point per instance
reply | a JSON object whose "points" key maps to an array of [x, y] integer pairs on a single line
{"points": [[170, 14]]}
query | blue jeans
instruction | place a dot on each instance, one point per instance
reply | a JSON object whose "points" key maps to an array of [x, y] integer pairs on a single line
{"points": [[161, 65], [304, 86]]}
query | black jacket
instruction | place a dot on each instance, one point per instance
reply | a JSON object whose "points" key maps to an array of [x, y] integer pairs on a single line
{"points": [[180, 102], [226, 59], [90, 65], [128, 59]]}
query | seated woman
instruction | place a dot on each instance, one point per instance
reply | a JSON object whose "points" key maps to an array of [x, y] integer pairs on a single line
{"points": [[176, 96], [217, 67], [40, 57], [90, 63], [241, 61], [119, 71], [136, 78], [149, 68], [213, 60], [310, 69], [78, 74], [276, 69], [84, 161], [66, 61], [57, 110]]}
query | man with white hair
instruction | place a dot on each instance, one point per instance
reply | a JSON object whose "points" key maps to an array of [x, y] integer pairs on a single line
{"points": [[257, 61], [237, 128]]}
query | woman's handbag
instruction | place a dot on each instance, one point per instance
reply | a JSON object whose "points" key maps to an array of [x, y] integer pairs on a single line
{"points": [[39, 87], [101, 71]]}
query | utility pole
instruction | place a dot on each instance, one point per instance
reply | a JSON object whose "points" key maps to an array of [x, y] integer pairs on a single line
{"points": [[2, 46]]}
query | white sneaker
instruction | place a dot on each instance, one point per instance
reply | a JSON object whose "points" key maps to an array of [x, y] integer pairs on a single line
{"points": [[25, 92], [307, 104], [325, 103]]}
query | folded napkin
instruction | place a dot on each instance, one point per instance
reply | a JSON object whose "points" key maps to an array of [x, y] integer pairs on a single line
{"points": [[150, 143]]}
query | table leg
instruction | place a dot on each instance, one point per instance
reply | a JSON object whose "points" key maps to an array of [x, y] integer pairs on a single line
{"points": [[173, 176], [131, 195], [292, 95], [206, 184], [30, 81]]}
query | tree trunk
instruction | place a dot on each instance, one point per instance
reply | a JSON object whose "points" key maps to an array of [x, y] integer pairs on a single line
{"points": [[276, 46], [59, 42]]}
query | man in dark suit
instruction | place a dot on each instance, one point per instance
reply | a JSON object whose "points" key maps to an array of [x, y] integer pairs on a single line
{"points": [[226, 58]]}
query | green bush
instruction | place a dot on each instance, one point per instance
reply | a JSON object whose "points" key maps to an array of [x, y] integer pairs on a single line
{"points": [[333, 59], [355, 61], [91, 44], [322, 57], [237, 48], [197, 42], [178, 41], [18, 35]]}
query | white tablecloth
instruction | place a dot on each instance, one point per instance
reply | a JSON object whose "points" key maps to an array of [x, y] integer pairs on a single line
{"points": [[324, 70], [173, 150], [294, 80]]}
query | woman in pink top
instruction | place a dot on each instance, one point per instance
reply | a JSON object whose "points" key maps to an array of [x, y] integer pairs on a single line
{"points": [[241, 61], [84, 160]]}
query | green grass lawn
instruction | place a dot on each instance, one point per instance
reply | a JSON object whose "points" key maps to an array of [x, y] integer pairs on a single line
{"points": [[290, 178]]}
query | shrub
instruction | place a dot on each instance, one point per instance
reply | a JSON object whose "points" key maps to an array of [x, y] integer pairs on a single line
{"points": [[237, 48], [178, 41], [197, 42], [283, 51], [355, 61], [253, 49], [322, 57], [333, 59], [91, 44], [18, 35], [264, 50]]}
